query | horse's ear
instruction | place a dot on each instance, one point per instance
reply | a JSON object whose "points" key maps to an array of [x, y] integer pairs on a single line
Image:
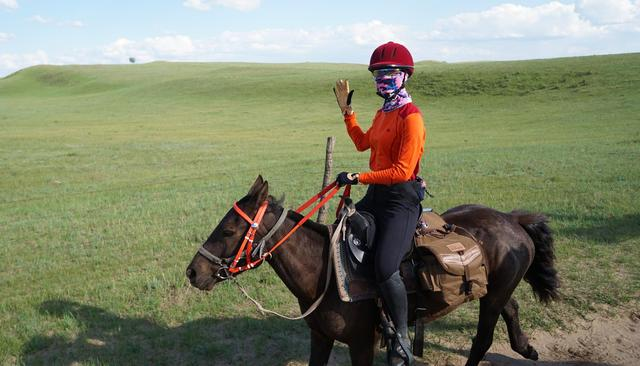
{"points": [[263, 194], [255, 188]]}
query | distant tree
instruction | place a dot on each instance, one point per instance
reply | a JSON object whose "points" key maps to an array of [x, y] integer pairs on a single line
{"points": [[132, 60]]}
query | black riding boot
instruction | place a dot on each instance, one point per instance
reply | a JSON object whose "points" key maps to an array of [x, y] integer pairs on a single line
{"points": [[394, 297]]}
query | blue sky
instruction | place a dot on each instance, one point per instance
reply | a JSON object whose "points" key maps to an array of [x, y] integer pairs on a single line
{"points": [[88, 32]]}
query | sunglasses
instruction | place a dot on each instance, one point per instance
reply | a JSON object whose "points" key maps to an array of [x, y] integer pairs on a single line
{"points": [[385, 72]]}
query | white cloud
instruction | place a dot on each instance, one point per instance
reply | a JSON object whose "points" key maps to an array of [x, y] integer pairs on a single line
{"points": [[263, 45], [502, 32], [372, 33], [42, 20], [206, 5], [553, 29], [5, 37], [267, 40], [609, 11], [18, 61], [170, 45], [270, 40], [299, 42], [123, 48], [173, 47], [509, 21], [10, 4]]}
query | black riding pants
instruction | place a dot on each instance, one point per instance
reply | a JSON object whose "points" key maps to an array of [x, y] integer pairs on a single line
{"points": [[396, 209]]}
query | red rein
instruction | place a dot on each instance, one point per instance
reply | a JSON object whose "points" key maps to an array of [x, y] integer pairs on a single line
{"points": [[247, 244]]}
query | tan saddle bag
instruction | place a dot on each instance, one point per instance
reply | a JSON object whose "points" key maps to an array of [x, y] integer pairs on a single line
{"points": [[453, 269]]}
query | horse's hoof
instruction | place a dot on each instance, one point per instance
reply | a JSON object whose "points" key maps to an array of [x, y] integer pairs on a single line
{"points": [[531, 354]]}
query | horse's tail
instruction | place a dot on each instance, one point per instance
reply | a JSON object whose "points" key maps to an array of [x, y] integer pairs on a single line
{"points": [[541, 275]]}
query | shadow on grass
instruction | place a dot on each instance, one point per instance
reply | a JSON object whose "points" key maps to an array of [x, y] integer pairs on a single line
{"points": [[599, 229], [445, 324], [106, 338]]}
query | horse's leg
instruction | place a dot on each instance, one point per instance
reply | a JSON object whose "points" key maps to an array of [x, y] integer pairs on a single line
{"points": [[362, 351], [320, 349], [489, 314], [519, 341]]}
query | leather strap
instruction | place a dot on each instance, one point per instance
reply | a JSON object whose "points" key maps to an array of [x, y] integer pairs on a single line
{"points": [[258, 251], [207, 254], [334, 241]]}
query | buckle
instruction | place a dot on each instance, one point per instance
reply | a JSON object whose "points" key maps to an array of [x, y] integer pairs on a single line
{"points": [[224, 273]]}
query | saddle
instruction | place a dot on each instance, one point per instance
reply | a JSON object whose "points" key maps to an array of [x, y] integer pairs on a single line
{"points": [[352, 255], [444, 268]]}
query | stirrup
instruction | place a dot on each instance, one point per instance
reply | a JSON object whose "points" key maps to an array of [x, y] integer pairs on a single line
{"points": [[392, 337], [399, 351]]}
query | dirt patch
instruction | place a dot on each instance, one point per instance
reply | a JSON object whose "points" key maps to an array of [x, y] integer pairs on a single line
{"points": [[595, 340]]}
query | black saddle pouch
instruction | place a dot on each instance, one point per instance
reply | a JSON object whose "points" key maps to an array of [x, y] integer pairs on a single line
{"points": [[361, 230]]}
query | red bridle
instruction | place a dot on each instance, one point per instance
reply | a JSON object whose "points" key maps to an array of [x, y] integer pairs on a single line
{"points": [[247, 243]]}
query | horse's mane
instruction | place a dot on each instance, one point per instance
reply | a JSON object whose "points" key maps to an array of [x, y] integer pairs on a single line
{"points": [[315, 226], [310, 224], [276, 201]]}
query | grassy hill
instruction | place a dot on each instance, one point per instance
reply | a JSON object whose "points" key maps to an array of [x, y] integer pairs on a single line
{"points": [[112, 176]]}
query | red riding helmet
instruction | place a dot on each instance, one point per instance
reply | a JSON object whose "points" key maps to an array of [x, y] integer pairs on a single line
{"points": [[391, 55]]}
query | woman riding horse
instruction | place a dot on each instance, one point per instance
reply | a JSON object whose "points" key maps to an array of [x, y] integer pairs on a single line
{"points": [[518, 245], [396, 139]]}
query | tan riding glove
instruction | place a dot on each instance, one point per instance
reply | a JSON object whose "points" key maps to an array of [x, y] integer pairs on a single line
{"points": [[343, 96]]}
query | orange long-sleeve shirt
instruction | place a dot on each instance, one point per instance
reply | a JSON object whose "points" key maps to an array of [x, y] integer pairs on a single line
{"points": [[396, 140]]}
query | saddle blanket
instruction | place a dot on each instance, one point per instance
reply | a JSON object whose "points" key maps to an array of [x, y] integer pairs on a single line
{"points": [[356, 281]]}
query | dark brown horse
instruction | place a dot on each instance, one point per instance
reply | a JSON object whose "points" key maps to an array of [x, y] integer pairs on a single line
{"points": [[518, 245]]}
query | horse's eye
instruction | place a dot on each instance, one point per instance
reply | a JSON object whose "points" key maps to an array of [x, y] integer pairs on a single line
{"points": [[228, 232]]}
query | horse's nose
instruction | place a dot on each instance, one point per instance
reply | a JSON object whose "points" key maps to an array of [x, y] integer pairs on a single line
{"points": [[191, 273]]}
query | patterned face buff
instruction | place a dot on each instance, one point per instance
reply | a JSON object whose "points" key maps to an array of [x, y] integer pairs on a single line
{"points": [[388, 81], [390, 86]]}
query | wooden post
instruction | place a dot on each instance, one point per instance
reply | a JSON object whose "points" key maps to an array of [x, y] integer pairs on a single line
{"points": [[328, 175]]}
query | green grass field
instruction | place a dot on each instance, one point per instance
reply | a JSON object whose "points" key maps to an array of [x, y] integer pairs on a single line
{"points": [[112, 176]]}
